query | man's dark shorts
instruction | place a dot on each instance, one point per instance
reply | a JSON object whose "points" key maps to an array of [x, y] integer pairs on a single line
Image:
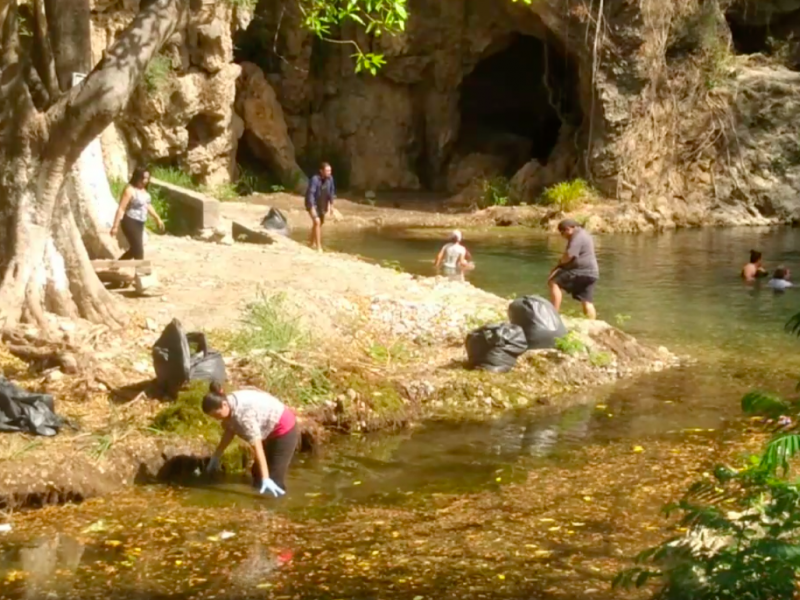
{"points": [[580, 287], [315, 213]]}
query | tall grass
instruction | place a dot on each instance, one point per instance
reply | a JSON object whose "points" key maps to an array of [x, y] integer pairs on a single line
{"points": [[268, 326]]}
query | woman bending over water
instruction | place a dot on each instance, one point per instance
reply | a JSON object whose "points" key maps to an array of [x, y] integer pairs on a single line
{"points": [[264, 422], [134, 206]]}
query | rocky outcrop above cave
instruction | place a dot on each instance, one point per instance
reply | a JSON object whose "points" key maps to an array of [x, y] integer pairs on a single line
{"points": [[183, 113], [265, 131]]}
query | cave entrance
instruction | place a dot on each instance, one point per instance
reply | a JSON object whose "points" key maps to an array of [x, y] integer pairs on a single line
{"points": [[775, 37], [516, 100]]}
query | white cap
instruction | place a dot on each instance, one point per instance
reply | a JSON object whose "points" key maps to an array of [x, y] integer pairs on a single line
{"points": [[455, 235]]}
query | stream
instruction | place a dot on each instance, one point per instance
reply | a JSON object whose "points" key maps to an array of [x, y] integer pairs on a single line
{"points": [[521, 506]]}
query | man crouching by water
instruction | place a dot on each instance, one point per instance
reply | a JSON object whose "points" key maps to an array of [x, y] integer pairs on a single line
{"points": [[577, 271], [319, 202]]}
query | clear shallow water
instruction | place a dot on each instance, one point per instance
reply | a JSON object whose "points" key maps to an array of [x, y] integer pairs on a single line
{"points": [[521, 488], [679, 289]]}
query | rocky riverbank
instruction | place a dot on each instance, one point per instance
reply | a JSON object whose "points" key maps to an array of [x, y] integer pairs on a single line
{"points": [[351, 345]]}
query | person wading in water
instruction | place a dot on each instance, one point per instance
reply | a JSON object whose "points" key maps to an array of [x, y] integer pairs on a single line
{"points": [[319, 202], [577, 271], [134, 206], [755, 268], [261, 420]]}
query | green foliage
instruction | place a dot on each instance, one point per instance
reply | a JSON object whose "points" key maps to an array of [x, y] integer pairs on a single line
{"points": [[185, 416], [394, 265], [159, 74], [387, 355], [268, 327], [570, 344], [174, 176], [378, 17], [743, 538], [620, 319], [567, 195], [495, 191], [600, 359]]}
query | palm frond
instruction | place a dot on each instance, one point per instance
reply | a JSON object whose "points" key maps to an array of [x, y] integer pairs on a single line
{"points": [[793, 325], [764, 404], [779, 451]]}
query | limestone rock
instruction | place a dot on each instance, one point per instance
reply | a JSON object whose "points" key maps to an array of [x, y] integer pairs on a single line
{"points": [[265, 129], [474, 167], [529, 182]]}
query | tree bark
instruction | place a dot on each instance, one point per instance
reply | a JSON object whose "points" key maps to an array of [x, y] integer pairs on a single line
{"points": [[44, 263]]}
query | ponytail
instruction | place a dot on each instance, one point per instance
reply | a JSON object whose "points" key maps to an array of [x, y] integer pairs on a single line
{"points": [[214, 399]]}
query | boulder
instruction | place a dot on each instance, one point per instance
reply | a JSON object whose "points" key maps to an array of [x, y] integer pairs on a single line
{"points": [[529, 182], [265, 131], [473, 167]]}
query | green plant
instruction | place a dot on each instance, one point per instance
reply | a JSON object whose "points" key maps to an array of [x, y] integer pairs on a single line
{"points": [[620, 319], [268, 327], [743, 538], [600, 359], [174, 176], [394, 265], [159, 74], [381, 353], [495, 191], [567, 195], [378, 17], [570, 344]]}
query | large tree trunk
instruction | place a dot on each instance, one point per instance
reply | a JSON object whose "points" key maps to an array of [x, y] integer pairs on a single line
{"points": [[44, 127]]}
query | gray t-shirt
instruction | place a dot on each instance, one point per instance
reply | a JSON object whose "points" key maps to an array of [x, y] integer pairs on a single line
{"points": [[581, 249]]}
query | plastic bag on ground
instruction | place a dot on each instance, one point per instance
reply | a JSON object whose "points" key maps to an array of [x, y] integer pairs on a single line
{"points": [[276, 222], [179, 357], [539, 320], [496, 347], [27, 412]]}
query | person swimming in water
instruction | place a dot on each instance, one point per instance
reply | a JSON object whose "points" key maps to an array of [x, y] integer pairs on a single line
{"points": [[755, 268], [780, 279], [453, 258]]}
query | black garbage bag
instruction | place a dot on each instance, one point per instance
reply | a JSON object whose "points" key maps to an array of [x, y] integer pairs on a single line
{"points": [[538, 319], [179, 357], [495, 347], [276, 222], [27, 412]]}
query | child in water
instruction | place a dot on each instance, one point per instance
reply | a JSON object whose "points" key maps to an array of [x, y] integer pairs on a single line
{"points": [[453, 258], [780, 279]]}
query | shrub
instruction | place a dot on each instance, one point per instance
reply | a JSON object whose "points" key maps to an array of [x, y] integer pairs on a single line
{"points": [[567, 195], [495, 191]]}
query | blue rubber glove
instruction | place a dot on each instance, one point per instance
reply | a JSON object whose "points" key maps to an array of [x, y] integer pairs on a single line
{"points": [[213, 465], [267, 485]]}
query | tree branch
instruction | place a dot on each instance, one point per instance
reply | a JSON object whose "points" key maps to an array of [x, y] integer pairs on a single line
{"points": [[46, 66], [89, 108]]}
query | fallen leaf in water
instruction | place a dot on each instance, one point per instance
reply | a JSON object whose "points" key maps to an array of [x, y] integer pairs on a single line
{"points": [[113, 543], [264, 586], [501, 576], [556, 528], [313, 494], [638, 449], [587, 498], [212, 538], [547, 520], [601, 406], [543, 553], [356, 483], [499, 479], [96, 527]]}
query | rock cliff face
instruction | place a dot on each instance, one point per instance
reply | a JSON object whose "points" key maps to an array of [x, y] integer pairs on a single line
{"points": [[183, 114], [648, 101], [653, 101]]}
